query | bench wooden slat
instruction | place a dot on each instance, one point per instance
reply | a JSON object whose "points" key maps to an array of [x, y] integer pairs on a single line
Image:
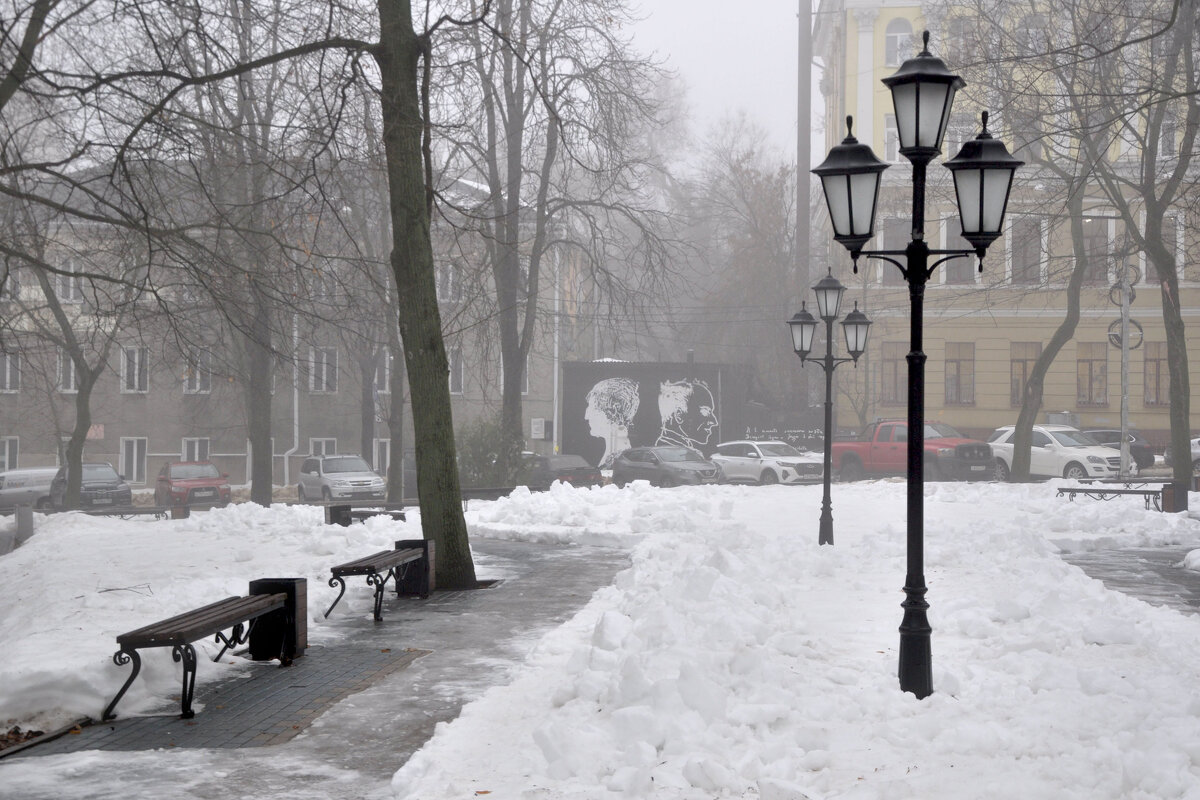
{"points": [[206, 621], [379, 562]]}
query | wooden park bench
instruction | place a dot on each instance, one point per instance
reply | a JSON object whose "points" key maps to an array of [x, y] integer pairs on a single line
{"points": [[410, 565], [273, 618], [129, 512], [345, 513], [1149, 496]]}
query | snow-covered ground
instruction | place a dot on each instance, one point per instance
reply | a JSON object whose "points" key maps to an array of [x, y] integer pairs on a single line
{"points": [[735, 658]]}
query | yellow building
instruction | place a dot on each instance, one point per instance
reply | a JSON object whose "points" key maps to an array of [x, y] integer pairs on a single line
{"points": [[984, 329]]}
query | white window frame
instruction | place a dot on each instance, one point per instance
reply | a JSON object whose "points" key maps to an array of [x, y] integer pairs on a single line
{"points": [[195, 448], [68, 378], [133, 455], [135, 376], [10, 373], [381, 447], [322, 367], [67, 287], [10, 450], [197, 378], [898, 44], [322, 446], [456, 370], [383, 373], [1043, 248], [891, 139]]}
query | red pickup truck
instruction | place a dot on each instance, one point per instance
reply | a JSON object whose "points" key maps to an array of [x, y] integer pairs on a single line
{"points": [[882, 449]]}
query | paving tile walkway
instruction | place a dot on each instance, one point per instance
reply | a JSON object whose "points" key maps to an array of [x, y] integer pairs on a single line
{"points": [[335, 724]]}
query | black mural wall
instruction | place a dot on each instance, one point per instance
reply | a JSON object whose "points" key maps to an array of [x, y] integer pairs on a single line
{"points": [[611, 405]]}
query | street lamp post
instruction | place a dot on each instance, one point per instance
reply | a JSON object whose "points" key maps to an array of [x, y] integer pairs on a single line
{"points": [[855, 326], [923, 92]]}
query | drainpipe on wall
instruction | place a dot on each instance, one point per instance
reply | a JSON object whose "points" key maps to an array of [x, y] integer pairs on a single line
{"points": [[287, 457]]}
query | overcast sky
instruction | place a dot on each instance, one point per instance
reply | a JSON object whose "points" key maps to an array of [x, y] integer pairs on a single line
{"points": [[738, 55]]}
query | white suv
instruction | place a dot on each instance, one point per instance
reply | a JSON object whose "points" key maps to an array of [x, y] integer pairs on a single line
{"points": [[766, 462], [1056, 451], [339, 478]]}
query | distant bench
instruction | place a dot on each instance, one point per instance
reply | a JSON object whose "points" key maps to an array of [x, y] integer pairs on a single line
{"points": [[410, 565], [128, 512], [344, 513], [1149, 496], [273, 618]]}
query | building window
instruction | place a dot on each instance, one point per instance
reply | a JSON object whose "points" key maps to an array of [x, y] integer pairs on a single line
{"points": [[195, 449], [10, 447], [322, 375], [1091, 382], [456, 371], [897, 42], [67, 287], [10, 284], [383, 372], [893, 377], [1032, 32], [67, 379], [1166, 138], [960, 373], [958, 270], [897, 233], [1095, 250], [449, 283], [1026, 251], [10, 372], [322, 447], [891, 139], [198, 377], [1156, 380], [133, 459], [134, 375], [382, 455], [1021, 358]]}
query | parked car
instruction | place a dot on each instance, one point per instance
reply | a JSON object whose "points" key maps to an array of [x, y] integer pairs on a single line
{"points": [[26, 487], [882, 449], [1056, 451], [575, 470], [1139, 449], [1195, 443], [663, 466], [339, 478], [765, 462], [191, 483], [100, 487]]}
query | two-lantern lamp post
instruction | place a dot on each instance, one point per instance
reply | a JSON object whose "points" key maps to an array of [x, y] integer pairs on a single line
{"points": [[829, 291], [923, 90]]}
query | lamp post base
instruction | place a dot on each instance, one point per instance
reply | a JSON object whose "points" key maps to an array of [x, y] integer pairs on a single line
{"points": [[825, 532], [916, 657]]}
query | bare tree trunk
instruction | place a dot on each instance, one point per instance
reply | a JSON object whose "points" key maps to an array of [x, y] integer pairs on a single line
{"points": [[259, 368], [398, 55]]}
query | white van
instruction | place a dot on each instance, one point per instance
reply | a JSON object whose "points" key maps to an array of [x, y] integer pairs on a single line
{"points": [[26, 487]]}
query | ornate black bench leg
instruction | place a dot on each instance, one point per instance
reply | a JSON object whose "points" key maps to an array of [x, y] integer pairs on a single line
{"points": [[239, 635], [121, 658], [336, 580], [379, 581], [187, 654]]}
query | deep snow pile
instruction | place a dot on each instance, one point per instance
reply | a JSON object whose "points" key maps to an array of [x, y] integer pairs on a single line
{"points": [[734, 658]]}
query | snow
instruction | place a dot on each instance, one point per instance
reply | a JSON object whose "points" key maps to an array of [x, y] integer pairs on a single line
{"points": [[734, 658]]}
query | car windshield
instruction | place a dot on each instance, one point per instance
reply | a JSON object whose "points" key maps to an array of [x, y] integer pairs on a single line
{"points": [[936, 430], [185, 472], [778, 450], [346, 464], [1073, 439], [568, 462], [99, 472], [678, 454]]}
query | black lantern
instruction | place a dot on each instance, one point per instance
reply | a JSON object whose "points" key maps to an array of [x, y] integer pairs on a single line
{"points": [[829, 291], [850, 177], [923, 92], [983, 174], [803, 326], [856, 326]]}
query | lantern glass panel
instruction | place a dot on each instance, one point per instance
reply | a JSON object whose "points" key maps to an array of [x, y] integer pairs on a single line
{"points": [[996, 185], [966, 186], [829, 300], [837, 197], [802, 333], [864, 189], [856, 335]]}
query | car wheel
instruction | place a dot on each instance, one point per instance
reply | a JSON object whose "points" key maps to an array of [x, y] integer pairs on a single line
{"points": [[1074, 471], [768, 477], [42, 504], [851, 470], [668, 482], [1001, 470]]}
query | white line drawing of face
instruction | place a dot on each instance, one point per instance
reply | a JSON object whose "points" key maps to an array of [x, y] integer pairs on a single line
{"points": [[611, 406], [688, 413]]}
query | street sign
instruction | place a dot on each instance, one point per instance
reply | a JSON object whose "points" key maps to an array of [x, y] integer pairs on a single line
{"points": [[1135, 334]]}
